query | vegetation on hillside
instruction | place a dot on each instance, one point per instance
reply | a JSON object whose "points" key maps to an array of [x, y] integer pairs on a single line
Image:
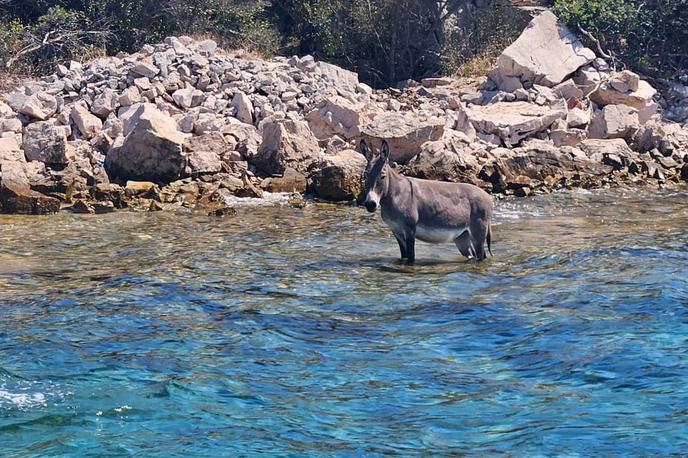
{"points": [[650, 36], [386, 41]]}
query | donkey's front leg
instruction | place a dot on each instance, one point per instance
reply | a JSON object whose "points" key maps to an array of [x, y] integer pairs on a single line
{"points": [[410, 247], [402, 245]]}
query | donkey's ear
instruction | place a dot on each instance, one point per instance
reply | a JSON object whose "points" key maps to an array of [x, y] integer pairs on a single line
{"points": [[365, 150], [384, 150]]}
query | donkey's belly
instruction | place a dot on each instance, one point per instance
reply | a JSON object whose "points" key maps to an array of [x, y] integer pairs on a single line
{"points": [[438, 234]]}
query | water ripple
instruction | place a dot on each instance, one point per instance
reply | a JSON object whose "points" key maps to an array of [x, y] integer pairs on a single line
{"points": [[288, 332]]}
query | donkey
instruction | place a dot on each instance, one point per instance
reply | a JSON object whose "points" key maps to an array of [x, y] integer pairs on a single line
{"points": [[428, 210]]}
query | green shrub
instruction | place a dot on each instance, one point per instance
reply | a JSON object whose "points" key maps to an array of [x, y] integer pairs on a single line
{"points": [[649, 35]]}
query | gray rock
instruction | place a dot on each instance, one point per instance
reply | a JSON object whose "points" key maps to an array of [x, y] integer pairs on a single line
{"points": [[514, 121], [286, 144], [338, 116], [188, 97], [152, 150], [10, 150], [130, 96], [88, 124], [45, 142], [39, 106], [243, 106], [145, 68], [105, 103], [615, 121], [338, 177], [203, 162], [11, 125]]}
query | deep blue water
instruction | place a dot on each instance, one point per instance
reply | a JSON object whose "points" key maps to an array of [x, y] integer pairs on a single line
{"points": [[286, 332]]}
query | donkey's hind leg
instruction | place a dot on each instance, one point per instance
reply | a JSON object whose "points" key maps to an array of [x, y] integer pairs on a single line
{"points": [[478, 235], [463, 243]]}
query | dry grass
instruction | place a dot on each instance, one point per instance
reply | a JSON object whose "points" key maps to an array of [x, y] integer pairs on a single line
{"points": [[10, 81], [476, 66]]}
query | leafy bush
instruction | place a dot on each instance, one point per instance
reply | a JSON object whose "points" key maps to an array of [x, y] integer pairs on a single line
{"points": [[649, 35], [475, 44], [59, 34]]}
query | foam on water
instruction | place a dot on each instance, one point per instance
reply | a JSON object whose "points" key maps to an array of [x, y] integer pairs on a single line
{"points": [[269, 199], [25, 395]]}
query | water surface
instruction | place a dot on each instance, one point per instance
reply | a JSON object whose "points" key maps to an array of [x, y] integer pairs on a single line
{"points": [[289, 332]]}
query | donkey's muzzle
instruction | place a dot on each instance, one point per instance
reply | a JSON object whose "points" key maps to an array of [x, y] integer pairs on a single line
{"points": [[370, 206]]}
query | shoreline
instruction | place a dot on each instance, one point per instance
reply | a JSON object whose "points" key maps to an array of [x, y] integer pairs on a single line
{"points": [[184, 124]]}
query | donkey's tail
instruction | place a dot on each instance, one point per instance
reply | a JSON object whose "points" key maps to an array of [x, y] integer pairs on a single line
{"points": [[489, 238]]}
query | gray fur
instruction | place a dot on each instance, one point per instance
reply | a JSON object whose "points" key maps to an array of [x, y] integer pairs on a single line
{"points": [[428, 210]]}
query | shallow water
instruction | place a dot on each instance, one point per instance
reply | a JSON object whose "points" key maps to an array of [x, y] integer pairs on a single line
{"points": [[291, 332]]}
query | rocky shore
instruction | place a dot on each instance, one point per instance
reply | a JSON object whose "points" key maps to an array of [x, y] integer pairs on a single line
{"points": [[184, 124]]}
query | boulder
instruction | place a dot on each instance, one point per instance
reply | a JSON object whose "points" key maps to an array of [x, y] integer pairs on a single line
{"points": [[105, 103], [290, 181], [338, 116], [614, 121], [587, 79], [245, 136], [243, 106], [339, 77], [568, 90], [338, 177], [639, 99], [203, 162], [598, 149], [178, 46], [16, 195], [450, 158], [567, 137], [206, 47], [514, 121], [130, 96], [145, 68], [10, 150], [625, 81], [405, 133], [88, 124], [39, 106], [188, 97], [578, 117], [5, 110], [45, 142], [152, 150], [539, 160], [546, 53], [214, 142], [285, 144], [11, 125]]}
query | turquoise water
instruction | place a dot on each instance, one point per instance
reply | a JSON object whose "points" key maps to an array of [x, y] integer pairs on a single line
{"points": [[286, 332]]}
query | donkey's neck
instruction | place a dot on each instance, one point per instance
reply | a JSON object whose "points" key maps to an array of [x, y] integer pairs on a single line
{"points": [[398, 188]]}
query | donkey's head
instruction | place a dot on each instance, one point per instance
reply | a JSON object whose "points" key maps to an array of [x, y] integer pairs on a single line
{"points": [[376, 175]]}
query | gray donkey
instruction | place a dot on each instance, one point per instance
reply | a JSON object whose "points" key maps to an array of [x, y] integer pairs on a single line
{"points": [[428, 210]]}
